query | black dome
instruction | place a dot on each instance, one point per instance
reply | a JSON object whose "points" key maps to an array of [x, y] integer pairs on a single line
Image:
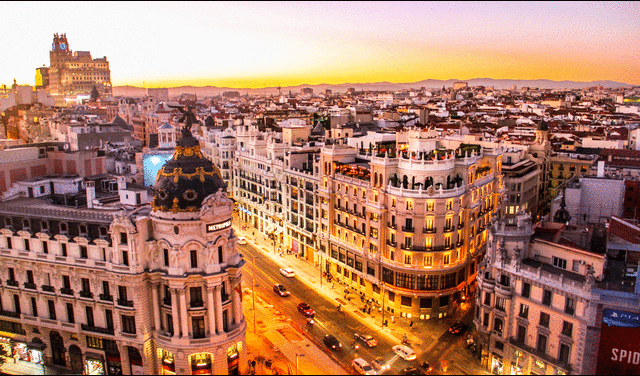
{"points": [[543, 126], [186, 179]]}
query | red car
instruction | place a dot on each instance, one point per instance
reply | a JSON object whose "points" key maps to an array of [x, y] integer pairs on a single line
{"points": [[306, 309]]}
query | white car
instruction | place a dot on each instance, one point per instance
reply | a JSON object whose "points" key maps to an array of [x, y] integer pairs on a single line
{"points": [[362, 367], [404, 352], [242, 241], [287, 272]]}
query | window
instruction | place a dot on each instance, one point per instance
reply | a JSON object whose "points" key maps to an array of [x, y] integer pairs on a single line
{"points": [[428, 260], [86, 287], [165, 253], [109, 318], [526, 290], [26, 245], [64, 249], [123, 238], [576, 266], [499, 345], [569, 306], [52, 309], [485, 320], [407, 259], [194, 259], [105, 288], [89, 314], [430, 206], [129, 324], [45, 247], [195, 295], [487, 298], [544, 319], [122, 292], [426, 302], [567, 328], [66, 282], [197, 327], [125, 258], [500, 303], [524, 311], [522, 334], [542, 344], [450, 205], [497, 326], [83, 251], [34, 307], [563, 353], [559, 263], [220, 259], [30, 276], [446, 258], [169, 324], [409, 205], [405, 301], [546, 298]]}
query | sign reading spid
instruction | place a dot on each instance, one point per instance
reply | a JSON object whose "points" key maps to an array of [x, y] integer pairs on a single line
{"points": [[211, 227]]}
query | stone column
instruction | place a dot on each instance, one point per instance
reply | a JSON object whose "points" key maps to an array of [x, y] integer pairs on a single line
{"points": [[174, 313], [184, 316], [124, 359], [211, 310], [219, 325], [156, 306]]}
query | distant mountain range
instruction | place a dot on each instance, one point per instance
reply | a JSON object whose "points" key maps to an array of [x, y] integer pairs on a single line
{"points": [[203, 91]]}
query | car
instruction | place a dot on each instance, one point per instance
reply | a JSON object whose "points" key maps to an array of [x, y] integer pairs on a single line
{"points": [[332, 342], [379, 364], [366, 339], [411, 371], [306, 309], [242, 241], [280, 290], [287, 272], [404, 352], [457, 328], [362, 367]]}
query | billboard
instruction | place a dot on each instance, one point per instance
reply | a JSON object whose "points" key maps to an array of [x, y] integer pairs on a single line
{"points": [[619, 352], [151, 164]]}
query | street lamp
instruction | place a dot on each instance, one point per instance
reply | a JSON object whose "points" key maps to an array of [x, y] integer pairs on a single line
{"points": [[298, 355]]}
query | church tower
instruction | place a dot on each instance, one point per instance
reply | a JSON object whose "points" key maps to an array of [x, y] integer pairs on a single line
{"points": [[196, 271]]}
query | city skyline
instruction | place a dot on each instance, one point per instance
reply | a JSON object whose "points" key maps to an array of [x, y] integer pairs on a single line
{"points": [[254, 45]]}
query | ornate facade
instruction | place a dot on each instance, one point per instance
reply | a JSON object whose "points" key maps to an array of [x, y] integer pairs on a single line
{"points": [[408, 226], [72, 73], [145, 290]]}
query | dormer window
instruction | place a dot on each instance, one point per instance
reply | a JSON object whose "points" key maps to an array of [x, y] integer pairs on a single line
{"points": [[44, 226], [63, 228], [7, 222], [82, 230], [103, 232], [26, 224]]}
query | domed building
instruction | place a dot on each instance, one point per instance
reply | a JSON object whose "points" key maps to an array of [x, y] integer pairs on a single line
{"points": [[195, 270], [127, 288]]}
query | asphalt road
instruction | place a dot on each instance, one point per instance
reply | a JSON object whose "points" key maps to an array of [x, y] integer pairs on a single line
{"points": [[328, 320]]}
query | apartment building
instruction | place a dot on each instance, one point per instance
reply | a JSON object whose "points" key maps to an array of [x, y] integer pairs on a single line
{"points": [[407, 226], [126, 288], [533, 303]]}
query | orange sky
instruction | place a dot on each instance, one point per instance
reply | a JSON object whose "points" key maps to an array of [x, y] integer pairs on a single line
{"points": [[272, 43]]}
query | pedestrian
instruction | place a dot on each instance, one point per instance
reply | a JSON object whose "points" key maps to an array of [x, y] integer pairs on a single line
{"points": [[253, 364], [369, 310], [410, 324], [386, 323], [393, 318]]}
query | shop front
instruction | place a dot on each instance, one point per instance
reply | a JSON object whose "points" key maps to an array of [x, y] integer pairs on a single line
{"points": [[497, 365], [168, 363], [94, 364], [201, 364], [233, 359], [114, 367]]}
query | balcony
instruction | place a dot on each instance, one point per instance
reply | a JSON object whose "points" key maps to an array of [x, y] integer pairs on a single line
{"points": [[48, 288], [95, 329], [408, 229], [197, 304], [15, 315], [392, 225], [86, 294], [430, 230], [125, 303], [449, 229], [66, 291], [12, 282], [29, 285], [392, 244], [166, 301], [461, 225], [106, 297]]}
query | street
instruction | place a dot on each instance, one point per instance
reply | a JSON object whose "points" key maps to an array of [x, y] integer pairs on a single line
{"points": [[344, 324]]}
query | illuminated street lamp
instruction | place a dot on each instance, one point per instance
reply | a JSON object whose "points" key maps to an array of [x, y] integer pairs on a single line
{"points": [[298, 355]]}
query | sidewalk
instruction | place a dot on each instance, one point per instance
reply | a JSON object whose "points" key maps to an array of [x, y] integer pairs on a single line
{"points": [[422, 335], [276, 345]]}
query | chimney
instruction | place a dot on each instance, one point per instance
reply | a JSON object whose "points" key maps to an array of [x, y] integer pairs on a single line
{"points": [[91, 193], [600, 169]]}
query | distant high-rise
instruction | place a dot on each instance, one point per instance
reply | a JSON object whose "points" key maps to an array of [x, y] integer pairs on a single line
{"points": [[72, 73]]}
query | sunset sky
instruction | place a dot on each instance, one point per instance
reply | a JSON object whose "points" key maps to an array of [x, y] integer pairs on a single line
{"points": [[251, 45]]}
